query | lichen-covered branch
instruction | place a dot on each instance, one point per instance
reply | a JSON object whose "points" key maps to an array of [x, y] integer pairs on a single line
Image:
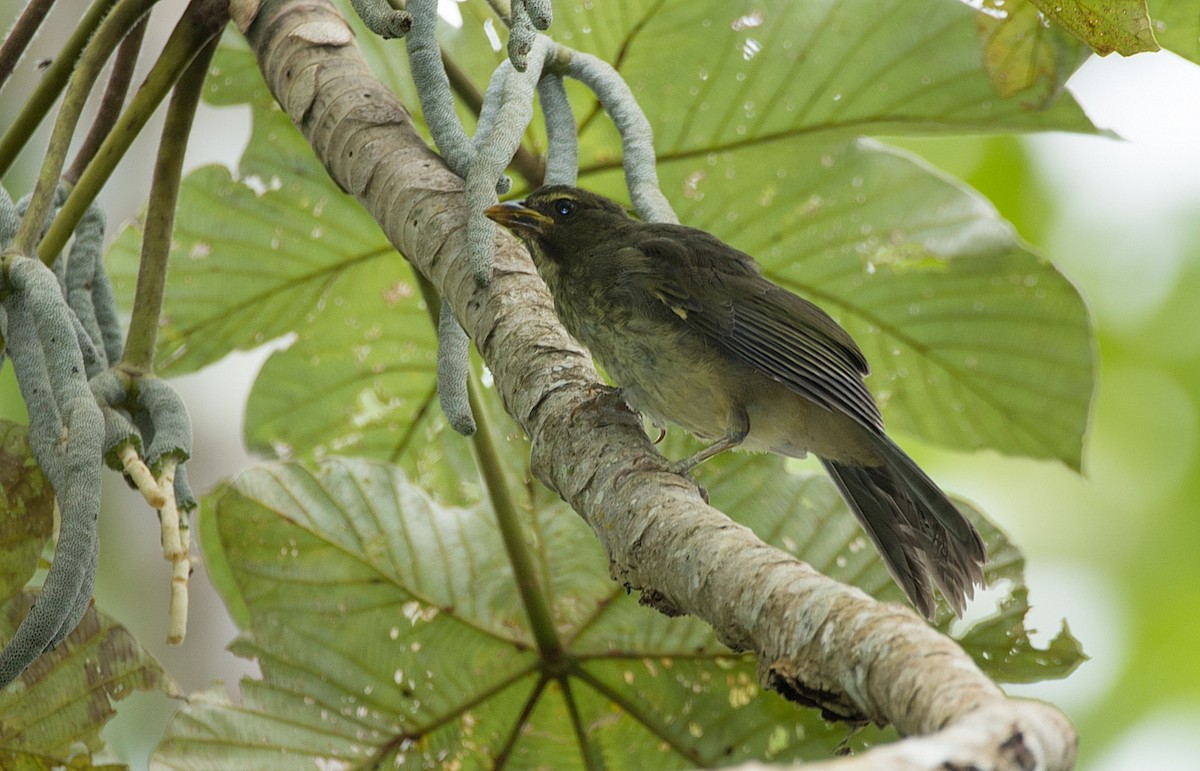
{"points": [[818, 641]]}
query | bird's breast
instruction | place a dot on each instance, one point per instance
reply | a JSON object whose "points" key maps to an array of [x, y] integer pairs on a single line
{"points": [[666, 370]]}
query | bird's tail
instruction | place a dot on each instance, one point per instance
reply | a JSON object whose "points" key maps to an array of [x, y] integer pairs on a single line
{"points": [[918, 531]]}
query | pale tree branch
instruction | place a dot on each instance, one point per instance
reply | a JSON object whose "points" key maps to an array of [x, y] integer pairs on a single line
{"points": [[818, 642]]}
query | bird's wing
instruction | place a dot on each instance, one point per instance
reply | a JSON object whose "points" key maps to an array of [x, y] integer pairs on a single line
{"points": [[758, 323]]}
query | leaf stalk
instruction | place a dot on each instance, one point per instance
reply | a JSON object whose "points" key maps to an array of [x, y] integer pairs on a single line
{"points": [[160, 215], [198, 25]]}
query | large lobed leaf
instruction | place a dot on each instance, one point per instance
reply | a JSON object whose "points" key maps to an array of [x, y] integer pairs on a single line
{"points": [[975, 342], [389, 628]]}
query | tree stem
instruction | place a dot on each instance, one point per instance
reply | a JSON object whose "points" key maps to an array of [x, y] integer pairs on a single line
{"points": [[53, 80], [20, 35], [160, 216], [199, 23], [112, 101], [114, 27], [533, 596]]}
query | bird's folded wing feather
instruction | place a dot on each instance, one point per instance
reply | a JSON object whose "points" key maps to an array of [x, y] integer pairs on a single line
{"points": [[767, 328]]}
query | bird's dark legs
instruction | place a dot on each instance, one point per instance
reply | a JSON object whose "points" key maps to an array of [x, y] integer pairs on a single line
{"points": [[734, 435]]}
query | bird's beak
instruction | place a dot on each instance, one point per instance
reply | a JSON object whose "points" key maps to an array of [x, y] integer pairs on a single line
{"points": [[519, 218]]}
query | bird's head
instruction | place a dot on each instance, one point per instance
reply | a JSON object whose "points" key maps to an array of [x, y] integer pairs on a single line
{"points": [[558, 220]]}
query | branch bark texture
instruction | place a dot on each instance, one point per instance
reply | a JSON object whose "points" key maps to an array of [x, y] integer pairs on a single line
{"points": [[819, 642]]}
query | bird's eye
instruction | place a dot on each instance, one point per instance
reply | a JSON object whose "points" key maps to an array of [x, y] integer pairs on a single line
{"points": [[564, 206]]}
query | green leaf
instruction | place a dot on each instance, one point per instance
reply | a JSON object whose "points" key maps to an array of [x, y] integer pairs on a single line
{"points": [[220, 574], [804, 515], [1176, 25], [234, 77], [359, 375], [1021, 52], [67, 695], [973, 340], [714, 76], [252, 258], [389, 628], [387, 625], [26, 510], [1105, 25]]}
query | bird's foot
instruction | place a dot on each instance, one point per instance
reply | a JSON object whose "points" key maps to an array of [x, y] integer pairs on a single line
{"points": [[684, 469]]}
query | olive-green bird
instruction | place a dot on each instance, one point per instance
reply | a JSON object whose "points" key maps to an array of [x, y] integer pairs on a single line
{"points": [[694, 335]]}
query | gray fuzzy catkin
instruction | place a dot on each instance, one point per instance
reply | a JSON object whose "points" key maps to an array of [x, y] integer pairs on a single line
{"points": [[10, 220], [66, 431], [79, 272], [453, 350], [433, 87], [562, 142], [382, 19], [185, 499], [166, 412], [511, 94], [521, 36], [437, 108], [637, 138]]}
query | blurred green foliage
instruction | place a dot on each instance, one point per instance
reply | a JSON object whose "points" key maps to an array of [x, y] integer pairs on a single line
{"points": [[1132, 521]]}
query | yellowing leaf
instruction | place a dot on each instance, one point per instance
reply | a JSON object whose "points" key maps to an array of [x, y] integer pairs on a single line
{"points": [[26, 510], [1105, 25], [1021, 50], [67, 695]]}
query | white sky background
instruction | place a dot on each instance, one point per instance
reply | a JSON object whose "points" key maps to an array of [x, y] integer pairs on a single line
{"points": [[1121, 239]]}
